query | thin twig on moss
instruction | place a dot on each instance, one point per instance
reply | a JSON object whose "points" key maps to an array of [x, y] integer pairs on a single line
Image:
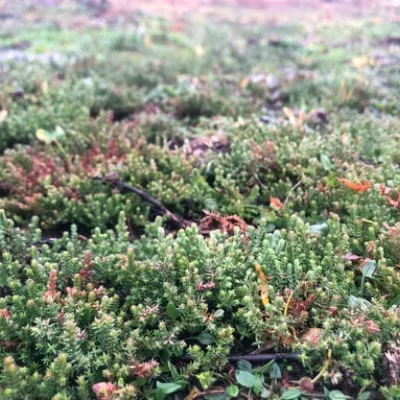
{"points": [[114, 181]]}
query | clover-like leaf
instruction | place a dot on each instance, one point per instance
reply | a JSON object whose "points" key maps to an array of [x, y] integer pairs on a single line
{"points": [[246, 379], [244, 365], [337, 395], [368, 268], [291, 394], [326, 162], [232, 391]]}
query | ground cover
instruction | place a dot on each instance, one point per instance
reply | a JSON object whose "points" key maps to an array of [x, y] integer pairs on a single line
{"points": [[203, 205]]}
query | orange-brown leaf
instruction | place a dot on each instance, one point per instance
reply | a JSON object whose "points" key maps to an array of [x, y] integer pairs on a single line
{"points": [[276, 204], [359, 187]]}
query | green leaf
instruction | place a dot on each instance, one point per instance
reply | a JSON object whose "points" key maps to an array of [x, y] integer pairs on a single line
{"points": [[395, 301], [44, 136], [326, 162], [244, 366], [364, 396], [205, 338], [232, 391], [275, 371], [368, 268], [291, 394], [172, 311], [265, 393], [337, 395], [257, 388], [332, 181], [217, 396], [261, 370], [359, 303], [59, 131], [318, 229], [246, 379], [166, 388], [49, 137], [173, 370]]}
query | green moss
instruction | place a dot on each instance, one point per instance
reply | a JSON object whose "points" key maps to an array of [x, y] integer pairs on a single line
{"points": [[268, 144]]}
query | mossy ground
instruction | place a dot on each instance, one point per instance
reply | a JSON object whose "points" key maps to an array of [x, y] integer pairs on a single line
{"points": [[265, 147]]}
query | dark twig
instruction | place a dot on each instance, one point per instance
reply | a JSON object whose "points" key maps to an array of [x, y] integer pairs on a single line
{"points": [[114, 181], [256, 358], [41, 242], [51, 240]]}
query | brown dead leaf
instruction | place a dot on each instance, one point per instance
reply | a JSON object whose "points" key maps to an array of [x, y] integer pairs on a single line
{"points": [[194, 394], [312, 336], [265, 153], [288, 341], [276, 204], [200, 146], [213, 221]]}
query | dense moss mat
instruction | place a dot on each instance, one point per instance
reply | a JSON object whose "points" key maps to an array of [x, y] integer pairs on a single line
{"points": [[176, 193]]}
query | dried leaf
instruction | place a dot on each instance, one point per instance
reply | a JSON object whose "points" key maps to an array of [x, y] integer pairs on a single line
{"points": [[201, 146], [194, 394], [244, 82], [372, 327], [213, 221], [263, 284], [352, 257], [360, 187], [394, 202], [145, 369], [313, 336], [276, 204]]}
